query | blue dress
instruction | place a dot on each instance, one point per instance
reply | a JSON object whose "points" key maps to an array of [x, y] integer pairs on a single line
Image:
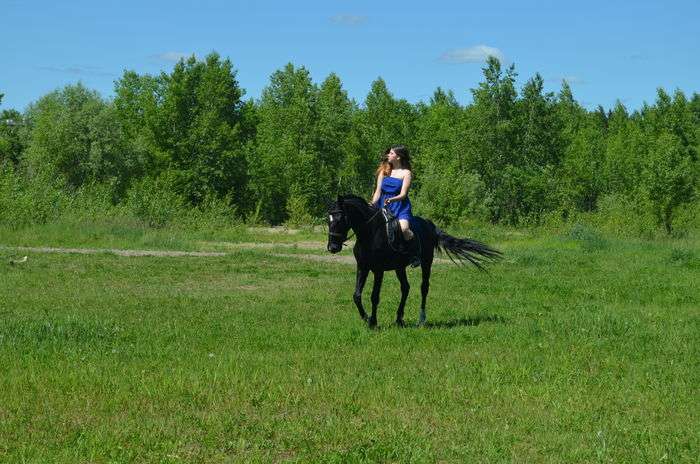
{"points": [[391, 186]]}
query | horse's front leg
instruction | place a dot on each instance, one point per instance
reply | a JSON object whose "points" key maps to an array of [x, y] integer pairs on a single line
{"points": [[424, 287], [376, 288], [405, 287], [359, 285]]}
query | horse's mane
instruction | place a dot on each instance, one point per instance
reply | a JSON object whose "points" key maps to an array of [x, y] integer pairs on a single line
{"points": [[358, 202]]}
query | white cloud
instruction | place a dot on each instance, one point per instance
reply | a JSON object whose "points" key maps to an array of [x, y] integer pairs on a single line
{"points": [[171, 56], [348, 19], [571, 80], [77, 70], [475, 54]]}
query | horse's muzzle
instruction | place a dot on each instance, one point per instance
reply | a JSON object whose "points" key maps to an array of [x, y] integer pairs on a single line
{"points": [[334, 247]]}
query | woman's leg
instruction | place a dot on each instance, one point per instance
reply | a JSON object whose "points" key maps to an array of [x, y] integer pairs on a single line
{"points": [[406, 229], [411, 245]]}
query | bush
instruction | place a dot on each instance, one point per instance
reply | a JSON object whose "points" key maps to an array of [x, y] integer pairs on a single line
{"points": [[154, 201], [450, 198], [589, 239], [93, 201], [297, 210], [30, 200], [625, 217], [211, 213]]}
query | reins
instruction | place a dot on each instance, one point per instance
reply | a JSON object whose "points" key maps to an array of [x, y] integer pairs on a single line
{"points": [[336, 234]]}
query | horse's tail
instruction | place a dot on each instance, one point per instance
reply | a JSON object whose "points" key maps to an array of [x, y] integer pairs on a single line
{"points": [[460, 250]]}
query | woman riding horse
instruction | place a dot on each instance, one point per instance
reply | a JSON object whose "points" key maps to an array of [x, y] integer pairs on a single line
{"points": [[394, 177]]}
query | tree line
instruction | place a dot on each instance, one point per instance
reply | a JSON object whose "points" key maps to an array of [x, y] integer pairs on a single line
{"points": [[511, 156]]}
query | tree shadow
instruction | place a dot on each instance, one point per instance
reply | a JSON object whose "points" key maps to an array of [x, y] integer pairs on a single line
{"points": [[464, 322]]}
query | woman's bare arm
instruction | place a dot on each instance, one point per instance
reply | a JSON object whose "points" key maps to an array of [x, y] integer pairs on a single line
{"points": [[378, 189]]}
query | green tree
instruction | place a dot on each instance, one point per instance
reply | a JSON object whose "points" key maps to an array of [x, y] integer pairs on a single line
{"points": [[695, 108], [77, 137], [670, 177], [582, 140], [198, 129], [447, 190], [284, 164], [439, 129], [540, 125], [493, 139], [625, 150], [136, 103], [12, 136], [337, 163], [570, 114], [669, 171], [539, 152], [580, 175]]}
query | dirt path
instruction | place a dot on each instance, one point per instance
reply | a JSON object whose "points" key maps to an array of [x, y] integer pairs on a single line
{"points": [[115, 251], [325, 257]]}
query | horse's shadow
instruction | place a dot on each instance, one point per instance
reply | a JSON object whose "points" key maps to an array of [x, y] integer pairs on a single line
{"points": [[448, 324], [462, 322]]}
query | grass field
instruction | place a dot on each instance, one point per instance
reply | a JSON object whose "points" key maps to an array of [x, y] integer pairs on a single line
{"points": [[576, 348]]}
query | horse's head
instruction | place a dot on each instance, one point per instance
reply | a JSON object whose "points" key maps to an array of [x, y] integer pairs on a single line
{"points": [[338, 226]]}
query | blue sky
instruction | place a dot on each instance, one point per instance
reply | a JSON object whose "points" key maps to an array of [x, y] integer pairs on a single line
{"points": [[607, 50]]}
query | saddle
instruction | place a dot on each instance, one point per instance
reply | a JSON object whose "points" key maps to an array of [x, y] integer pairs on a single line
{"points": [[393, 229], [396, 241]]}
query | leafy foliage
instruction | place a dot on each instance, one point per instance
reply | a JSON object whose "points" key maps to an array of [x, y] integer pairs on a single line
{"points": [[514, 156]]}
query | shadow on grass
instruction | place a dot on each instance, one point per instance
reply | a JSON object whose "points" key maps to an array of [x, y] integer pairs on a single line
{"points": [[448, 324], [464, 322]]}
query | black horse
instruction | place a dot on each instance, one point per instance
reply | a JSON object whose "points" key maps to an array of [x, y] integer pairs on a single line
{"points": [[373, 252]]}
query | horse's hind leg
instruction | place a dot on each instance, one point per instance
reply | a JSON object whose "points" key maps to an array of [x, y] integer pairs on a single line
{"points": [[378, 277], [405, 287], [424, 287], [359, 285]]}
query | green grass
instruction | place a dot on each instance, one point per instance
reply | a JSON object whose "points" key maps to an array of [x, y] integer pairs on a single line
{"points": [[577, 348], [120, 233]]}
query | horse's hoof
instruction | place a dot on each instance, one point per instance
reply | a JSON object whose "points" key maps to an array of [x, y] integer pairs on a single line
{"points": [[400, 323], [372, 323]]}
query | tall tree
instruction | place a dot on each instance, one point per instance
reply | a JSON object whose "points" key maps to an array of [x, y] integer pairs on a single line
{"points": [[626, 147], [580, 174], [76, 136], [539, 151], [669, 171], [338, 163], [492, 138], [540, 126], [136, 103], [447, 190], [198, 128], [670, 177], [285, 165], [582, 140]]}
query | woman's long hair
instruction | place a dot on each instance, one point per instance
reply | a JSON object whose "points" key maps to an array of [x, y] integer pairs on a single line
{"points": [[384, 165], [402, 152]]}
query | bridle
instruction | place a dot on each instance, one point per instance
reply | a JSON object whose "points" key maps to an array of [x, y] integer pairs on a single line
{"points": [[341, 211], [344, 237]]}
